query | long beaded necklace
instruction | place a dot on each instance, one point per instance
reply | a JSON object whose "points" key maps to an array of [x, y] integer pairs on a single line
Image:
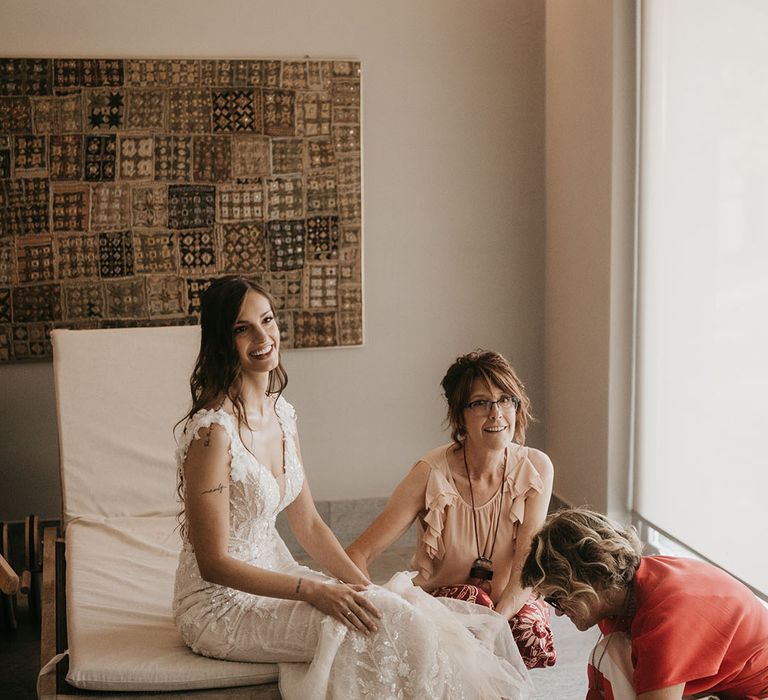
{"points": [[481, 571]]}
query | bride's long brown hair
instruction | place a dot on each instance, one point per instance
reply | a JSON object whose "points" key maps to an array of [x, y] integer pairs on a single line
{"points": [[217, 369]]}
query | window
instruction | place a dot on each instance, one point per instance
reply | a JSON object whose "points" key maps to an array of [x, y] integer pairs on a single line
{"points": [[701, 453]]}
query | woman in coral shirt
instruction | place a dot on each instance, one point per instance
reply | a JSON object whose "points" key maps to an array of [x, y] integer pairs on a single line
{"points": [[673, 627]]}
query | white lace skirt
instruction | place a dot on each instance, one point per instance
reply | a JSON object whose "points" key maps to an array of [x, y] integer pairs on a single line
{"points": [[425, 647]]}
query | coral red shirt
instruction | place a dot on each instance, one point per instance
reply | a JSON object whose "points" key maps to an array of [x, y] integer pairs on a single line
{"points": [[697, 625]]}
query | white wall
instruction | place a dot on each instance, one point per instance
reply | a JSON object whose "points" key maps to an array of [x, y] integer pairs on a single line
{"points": [[590, 123], [453, 97]]}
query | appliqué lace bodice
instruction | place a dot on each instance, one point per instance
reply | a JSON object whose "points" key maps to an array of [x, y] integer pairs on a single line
{"points": [[254, 493]]}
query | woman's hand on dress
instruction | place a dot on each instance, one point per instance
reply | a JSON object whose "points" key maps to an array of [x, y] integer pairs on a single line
{"points": [[344, 602]]}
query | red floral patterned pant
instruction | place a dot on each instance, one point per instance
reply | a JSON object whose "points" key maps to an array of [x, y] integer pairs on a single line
{"points": [[530, 627]]}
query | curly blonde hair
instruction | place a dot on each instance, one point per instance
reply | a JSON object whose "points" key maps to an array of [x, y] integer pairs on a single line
{"points": [[580, 553]]}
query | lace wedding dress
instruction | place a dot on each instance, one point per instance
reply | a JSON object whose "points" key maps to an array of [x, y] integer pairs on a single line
{"points": [[424, 648]]}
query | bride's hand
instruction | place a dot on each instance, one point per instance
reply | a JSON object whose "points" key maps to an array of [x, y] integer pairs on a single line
{"points": [[344, 602]]}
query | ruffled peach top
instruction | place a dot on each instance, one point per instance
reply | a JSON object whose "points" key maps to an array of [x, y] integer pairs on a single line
{"points": [[446, 546]]}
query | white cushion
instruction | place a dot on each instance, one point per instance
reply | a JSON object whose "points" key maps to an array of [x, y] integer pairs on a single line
{"points": [[121, 635], [119, 393]]}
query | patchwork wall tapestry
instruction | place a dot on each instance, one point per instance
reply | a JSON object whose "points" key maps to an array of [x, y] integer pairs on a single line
{"points": [[126, 186]]}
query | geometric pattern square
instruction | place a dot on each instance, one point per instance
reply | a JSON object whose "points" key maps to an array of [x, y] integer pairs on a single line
{"points": [[155, 251], [66, 157], [346, 138], [15, 115], [191, 206], [146, 109], [5, 305], [345, 95], [189, 111], [195, 288], [321, 154], [149, 206], [173, 72], [34, 259], [312, 329], [110, 206], [173, 158], [348, 171], [349, 207], [212, 158], [25, 76], [286, 245], [37, 302], [279, 112], [105, 109], [350, 272], [287, 156], [285, 198], [136, 157], [322, 238], [100, 158], [322, 197], [71, 208], [77, 255], [250, 156], [126, 298], [165, 296], [57, 115], [197, 252], [242, 247], [295, 75], [313, 114], [31, 341], [7, 261], [83, 300], [5, 163], [30, 153], [24, 206], [286, 289], [240, 203], [152, 72], [115, 254], [6, 335], [322, 288], [235, 110]]}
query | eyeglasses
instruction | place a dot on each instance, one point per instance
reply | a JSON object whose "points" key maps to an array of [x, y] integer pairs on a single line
{"points": [[482, 407], [554, 602]]}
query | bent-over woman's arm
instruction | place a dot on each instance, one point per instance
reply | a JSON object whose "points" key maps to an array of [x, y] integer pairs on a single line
{"points": [[403, 507], [206, 508], [536, 505]]}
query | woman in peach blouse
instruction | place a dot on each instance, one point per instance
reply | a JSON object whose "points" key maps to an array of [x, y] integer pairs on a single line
{"points": [[478, 501]]}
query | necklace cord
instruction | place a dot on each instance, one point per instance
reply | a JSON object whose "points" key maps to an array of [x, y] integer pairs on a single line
{"points": [[474, 513]]}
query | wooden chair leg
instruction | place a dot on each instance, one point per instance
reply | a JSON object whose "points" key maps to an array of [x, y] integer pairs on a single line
{"points": [[9, 583], [48, 642], [33, 560]]}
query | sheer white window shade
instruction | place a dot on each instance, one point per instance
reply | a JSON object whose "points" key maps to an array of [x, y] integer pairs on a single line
{"points": [[701, 461]]}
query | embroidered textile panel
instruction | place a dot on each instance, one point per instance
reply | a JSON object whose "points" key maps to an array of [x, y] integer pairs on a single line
{"points": [[127, 185]]}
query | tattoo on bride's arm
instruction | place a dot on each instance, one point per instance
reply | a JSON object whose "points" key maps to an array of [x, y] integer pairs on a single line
{"points": [[218, 489], [207, 442]]}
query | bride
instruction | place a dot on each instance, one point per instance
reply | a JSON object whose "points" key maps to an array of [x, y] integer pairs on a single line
{"points": [[240, 595]]}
